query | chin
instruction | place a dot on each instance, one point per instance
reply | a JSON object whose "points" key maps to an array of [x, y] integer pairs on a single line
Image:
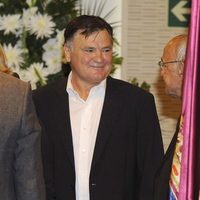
{"points": [[99, 76]]}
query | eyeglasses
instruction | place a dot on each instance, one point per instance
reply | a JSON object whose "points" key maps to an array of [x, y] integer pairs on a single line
{"points": [[162, 64]]}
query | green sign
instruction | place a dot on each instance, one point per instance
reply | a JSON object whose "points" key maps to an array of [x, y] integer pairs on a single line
{"points": [[179, 13]]}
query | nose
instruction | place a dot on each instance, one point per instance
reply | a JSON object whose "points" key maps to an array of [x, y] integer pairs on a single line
{"points": [[98, 56]]}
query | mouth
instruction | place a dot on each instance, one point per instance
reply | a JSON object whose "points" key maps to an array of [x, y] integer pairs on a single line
{"points": [[97, 67]]}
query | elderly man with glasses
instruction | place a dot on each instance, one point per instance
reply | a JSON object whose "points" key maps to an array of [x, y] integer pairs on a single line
{"points": [[172, 66]]}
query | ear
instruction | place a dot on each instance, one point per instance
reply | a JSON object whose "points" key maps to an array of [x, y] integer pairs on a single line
{"points": [[67, 53]]}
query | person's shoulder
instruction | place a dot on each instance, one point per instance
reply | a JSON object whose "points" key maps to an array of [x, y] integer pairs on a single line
{"points": [[128, 88], [51, 88], [8, 82]]}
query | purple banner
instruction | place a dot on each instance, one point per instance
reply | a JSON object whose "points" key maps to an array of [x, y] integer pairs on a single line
{"points": [[189, 174]]}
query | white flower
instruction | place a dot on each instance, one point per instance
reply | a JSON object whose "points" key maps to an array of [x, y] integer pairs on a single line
{"points": [[14, 56], [53, 53], [55, 43], [26, 16], [35, 73], [53, 60], [29, 2], [10, 23], [1, 4], [60, 38], [41, 25], [50, 44]]}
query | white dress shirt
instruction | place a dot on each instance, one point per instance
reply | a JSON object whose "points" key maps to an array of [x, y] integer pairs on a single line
{"points": [[85, 117]]}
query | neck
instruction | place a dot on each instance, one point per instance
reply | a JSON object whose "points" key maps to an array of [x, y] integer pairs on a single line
{"points": [[81, 88]]}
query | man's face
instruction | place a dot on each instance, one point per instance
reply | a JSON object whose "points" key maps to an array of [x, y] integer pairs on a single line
{"points": [[90, 57], [172, 72]]}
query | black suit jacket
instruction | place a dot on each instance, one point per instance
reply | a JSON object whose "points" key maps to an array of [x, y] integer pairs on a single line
{"points": [[163, 173], [128, 147]]}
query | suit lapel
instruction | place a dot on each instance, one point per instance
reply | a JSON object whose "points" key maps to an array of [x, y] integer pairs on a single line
{"points": [[110, 113], [63, 119]]}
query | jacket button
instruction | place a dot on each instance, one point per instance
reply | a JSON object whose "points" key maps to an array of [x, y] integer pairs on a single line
{"points": [[93, 184]]}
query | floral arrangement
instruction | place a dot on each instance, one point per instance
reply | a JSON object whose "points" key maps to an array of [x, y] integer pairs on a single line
{"points": [[31, 33]]}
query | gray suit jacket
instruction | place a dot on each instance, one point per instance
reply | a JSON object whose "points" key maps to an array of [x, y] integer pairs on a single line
{"points": [[21, 175]]}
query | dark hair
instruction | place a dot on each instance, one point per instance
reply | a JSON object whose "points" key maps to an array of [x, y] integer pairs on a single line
{"points": [[89, 24]]}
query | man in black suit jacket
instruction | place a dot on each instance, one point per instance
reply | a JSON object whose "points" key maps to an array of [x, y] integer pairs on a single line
{"points": [[101, 137], [172, 66]]}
